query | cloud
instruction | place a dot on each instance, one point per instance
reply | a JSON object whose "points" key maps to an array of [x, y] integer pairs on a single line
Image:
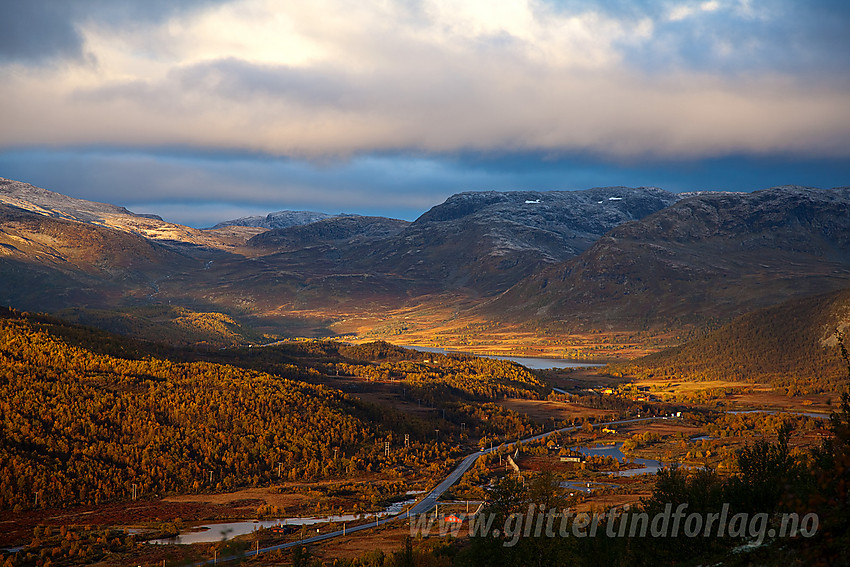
{"points": [[34, 31], [40, 31], [331, 79]]}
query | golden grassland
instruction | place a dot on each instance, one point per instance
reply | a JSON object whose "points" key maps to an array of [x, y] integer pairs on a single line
{"points": [[447, 322]]}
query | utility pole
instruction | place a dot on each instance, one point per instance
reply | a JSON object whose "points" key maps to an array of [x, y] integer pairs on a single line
{"points": [[406, 440], [134, 490], [438, 435], [279, 465], [386, 448]]}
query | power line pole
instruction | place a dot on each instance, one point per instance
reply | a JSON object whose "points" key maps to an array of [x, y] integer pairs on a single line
{"points": [[407, 440], [386, 448]]}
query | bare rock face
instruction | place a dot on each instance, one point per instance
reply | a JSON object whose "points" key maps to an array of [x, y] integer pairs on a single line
{"points": [[709, 255]]}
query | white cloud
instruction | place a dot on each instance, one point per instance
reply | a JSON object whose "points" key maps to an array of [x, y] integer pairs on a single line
{"points": [[681, 11]]}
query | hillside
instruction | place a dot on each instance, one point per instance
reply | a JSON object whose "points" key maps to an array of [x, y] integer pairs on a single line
{"points": [[473, 244], [36, 200], [88, 414], [709, 256], [792, 346], [488, 241], [48, 263]]}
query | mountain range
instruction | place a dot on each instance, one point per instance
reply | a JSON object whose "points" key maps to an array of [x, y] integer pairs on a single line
{"points": [[709, 255], [614, 258]]}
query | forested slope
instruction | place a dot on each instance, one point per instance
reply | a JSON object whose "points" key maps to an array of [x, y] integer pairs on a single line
{"points": [[791, 346], [86, 415]]}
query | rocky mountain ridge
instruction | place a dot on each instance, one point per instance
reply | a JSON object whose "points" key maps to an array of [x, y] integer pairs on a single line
{"points": [[709, 255]]}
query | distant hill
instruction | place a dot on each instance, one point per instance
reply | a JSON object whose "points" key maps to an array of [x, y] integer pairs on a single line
{"points": [[340, 231], [711, 255], [792, 345], [279, 219]]}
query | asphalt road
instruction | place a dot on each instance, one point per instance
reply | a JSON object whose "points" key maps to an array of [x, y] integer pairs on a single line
{"points": [[425, 505]]}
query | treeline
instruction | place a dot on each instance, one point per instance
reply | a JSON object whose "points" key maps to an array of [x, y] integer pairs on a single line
{"points": [[790, 346]]}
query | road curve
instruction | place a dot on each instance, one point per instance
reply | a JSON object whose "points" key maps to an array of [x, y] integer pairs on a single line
{"points": [[426, 504]]}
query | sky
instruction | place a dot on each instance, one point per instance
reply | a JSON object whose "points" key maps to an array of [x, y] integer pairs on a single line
{"points": [[206, 110]]}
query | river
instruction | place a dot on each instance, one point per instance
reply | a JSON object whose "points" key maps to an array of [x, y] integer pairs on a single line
{"points": [[222, 531], [647, 466]]}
